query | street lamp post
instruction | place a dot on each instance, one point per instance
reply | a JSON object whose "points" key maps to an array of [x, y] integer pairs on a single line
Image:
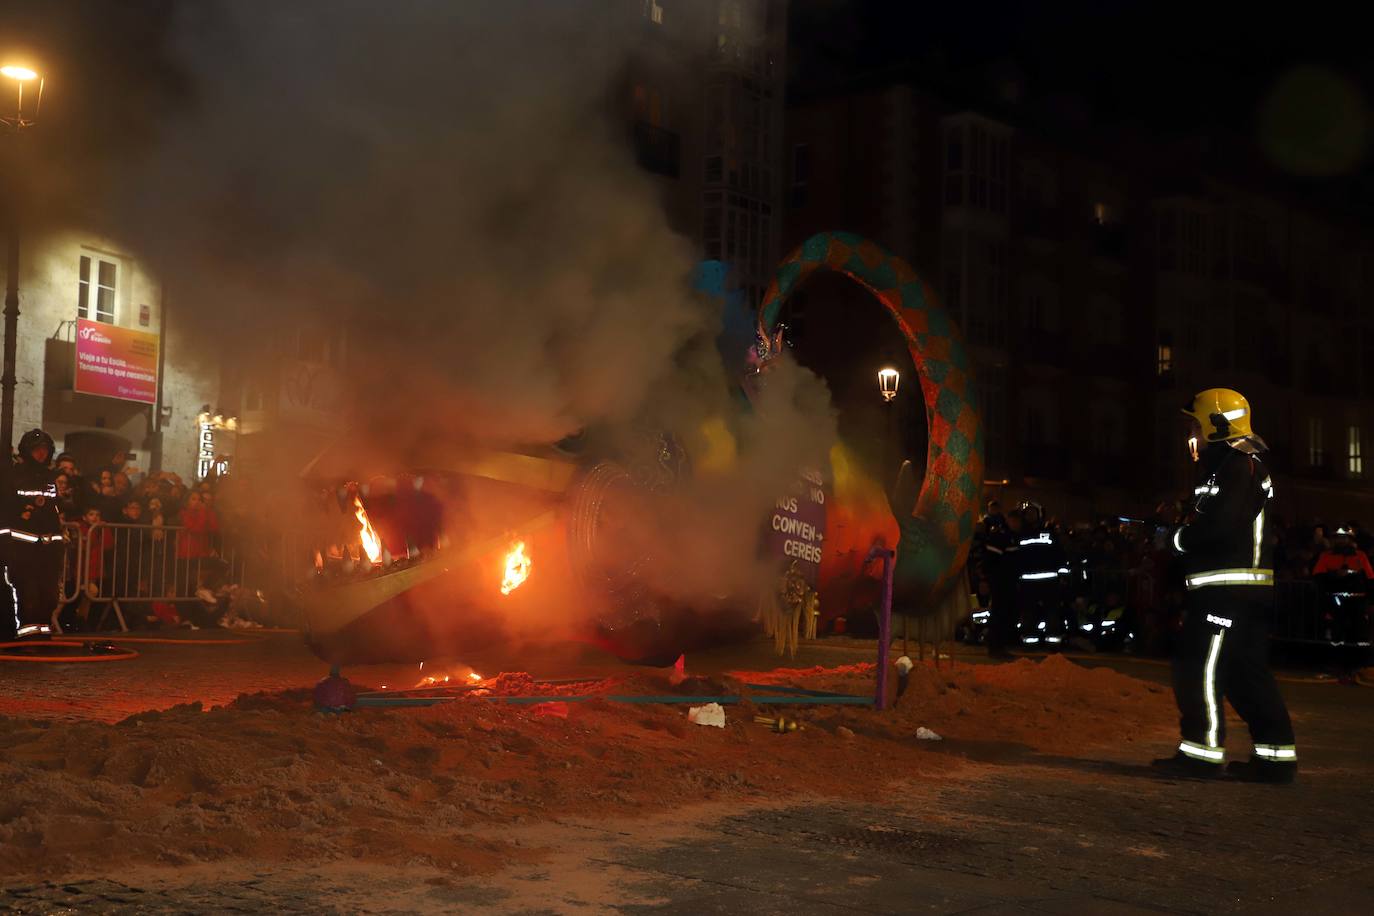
{"points": [[23, 116], [888, 380]]}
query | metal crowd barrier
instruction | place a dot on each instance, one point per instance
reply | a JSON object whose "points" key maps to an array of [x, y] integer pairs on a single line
{"points": [[1300, 610], [1297, 611], [68, 587], [1099, 583], [113, 565]]}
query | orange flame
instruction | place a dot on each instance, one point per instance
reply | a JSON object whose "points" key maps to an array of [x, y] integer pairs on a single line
{"points": [[372, 544], [517, 568], [438, 680]]}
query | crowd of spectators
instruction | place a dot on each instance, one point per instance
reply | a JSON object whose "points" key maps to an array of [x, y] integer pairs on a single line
{"points": [[119, 493], [1128, 565], [153, 541]]}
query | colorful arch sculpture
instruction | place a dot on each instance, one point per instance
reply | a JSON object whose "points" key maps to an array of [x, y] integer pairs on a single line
{"points": [[936, 533]]}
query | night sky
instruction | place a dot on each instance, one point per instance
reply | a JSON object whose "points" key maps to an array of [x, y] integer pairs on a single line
{"points": [[1076, 67], [1166, 68]]}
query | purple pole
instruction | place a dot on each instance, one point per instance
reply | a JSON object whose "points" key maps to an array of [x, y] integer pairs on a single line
{"points": [[884, 623]]}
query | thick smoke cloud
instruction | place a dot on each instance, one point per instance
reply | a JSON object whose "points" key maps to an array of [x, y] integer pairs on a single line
{"points": [[453, 182], [444, 178]]}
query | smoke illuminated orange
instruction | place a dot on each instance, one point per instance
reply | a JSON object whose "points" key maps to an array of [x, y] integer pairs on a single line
{"points": [[517, 568], [372, 544]]}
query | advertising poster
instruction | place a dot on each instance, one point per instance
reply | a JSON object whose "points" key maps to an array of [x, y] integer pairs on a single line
{"points": [[115, 362]]}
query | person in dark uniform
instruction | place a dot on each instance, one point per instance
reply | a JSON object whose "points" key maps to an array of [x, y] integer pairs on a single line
{"points": [[1043, 571], [1343, 575], [1227, 562], [1004, 574], [32, 532], [993, 519]]}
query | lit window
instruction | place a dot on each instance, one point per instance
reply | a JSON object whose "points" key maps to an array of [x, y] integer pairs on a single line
{"points": [[1166, 358], [95, 297], [1316, 443], [1354, 455], [653, 11]]}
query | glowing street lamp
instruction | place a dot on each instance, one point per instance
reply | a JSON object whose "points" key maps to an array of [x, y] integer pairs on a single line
{"points": [[888, 379], [21, 75], [15, 123]]}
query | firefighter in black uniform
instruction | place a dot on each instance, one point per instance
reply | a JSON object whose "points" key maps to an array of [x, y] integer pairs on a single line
{"points": [[1043, 569], [32, 538], [1224, 647], [1003, 571]]}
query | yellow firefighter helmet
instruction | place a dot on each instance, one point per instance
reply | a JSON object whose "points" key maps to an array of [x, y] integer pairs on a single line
{"points": [[1222, 413]]}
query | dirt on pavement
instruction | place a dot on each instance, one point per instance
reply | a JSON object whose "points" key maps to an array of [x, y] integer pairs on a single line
{"points": [[267, 780]]}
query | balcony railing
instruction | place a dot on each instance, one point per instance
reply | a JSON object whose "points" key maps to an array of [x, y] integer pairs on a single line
{"points": [[66, 331]]}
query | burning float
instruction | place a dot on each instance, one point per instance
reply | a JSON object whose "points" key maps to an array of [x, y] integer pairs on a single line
{"points": [[491, 545], [497, 546]]}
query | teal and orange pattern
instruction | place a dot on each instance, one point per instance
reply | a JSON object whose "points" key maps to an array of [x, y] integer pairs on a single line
{"points": [[936, 536]]}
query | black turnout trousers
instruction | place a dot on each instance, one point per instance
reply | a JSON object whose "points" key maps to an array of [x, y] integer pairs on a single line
{"points": [[35, 572], [1002, 620], [1224, 654]]}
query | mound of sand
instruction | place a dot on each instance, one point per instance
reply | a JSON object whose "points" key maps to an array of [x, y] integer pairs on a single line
{"points": [[268, 779]]}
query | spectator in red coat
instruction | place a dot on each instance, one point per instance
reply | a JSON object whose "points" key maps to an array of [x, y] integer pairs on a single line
{"points": [[1343, 557], [102, 542], [199, 524], [195, 541]]}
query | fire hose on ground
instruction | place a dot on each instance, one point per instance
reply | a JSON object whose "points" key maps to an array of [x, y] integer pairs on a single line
{"points": [[98, 649]]}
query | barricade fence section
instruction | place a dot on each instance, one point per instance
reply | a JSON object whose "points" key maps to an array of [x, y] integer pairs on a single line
{"points": [[1297, 612], [108, 567], [1313, 612], [69, 587], [115, 565], [148, 563]]}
